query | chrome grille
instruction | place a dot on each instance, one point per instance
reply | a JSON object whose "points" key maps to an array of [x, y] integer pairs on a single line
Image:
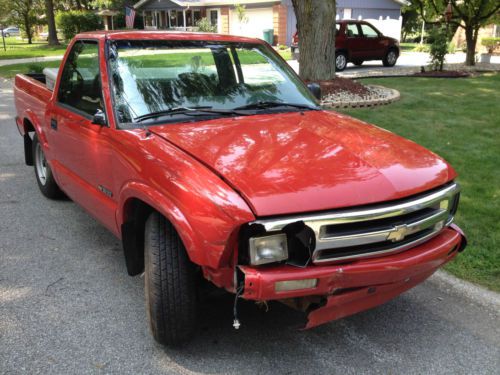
{"points": [[380, 229]]}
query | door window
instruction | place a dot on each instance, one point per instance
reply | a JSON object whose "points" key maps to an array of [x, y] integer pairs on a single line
{"points": [[368, 31], [80, 86], [352, 30]]}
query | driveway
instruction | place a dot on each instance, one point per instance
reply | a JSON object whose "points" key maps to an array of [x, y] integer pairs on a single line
{"points": [[67, 306]]}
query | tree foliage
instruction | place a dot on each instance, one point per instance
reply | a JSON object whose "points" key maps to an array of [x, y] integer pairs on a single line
{"points": [[470, 15], [73, 22]]}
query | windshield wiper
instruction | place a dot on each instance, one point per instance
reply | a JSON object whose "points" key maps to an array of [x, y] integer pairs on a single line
{"points": [[271, 104], [190, 111]]}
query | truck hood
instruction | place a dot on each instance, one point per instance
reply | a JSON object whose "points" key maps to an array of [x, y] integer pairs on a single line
{"points": [[318, 160]]}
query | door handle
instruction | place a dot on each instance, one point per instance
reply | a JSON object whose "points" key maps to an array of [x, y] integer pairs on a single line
{"points": [[53, 123]]}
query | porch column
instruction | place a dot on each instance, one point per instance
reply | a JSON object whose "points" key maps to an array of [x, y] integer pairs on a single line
{"points": [[184, 18], [144, 19]]}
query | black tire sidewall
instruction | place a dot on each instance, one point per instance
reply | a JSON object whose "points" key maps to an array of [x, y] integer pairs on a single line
{"points": [[50, 189], [169, 284], [337, 69]]}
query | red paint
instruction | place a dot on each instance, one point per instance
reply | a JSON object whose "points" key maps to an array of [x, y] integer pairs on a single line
{"points": [[358, 48], [209, 178]]}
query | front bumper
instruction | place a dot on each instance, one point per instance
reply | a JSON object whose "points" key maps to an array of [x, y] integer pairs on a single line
{"points": [[357, 286]]}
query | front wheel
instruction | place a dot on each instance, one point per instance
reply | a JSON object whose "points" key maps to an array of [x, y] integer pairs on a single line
{"points": [[340, 61], [390, 58], [43, 173], [170, 283]]}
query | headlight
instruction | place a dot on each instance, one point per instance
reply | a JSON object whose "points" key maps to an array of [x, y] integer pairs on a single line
{"points": [[268, 249]]}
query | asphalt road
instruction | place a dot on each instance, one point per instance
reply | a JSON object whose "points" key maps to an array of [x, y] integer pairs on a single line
{"points": [[67, 306]]}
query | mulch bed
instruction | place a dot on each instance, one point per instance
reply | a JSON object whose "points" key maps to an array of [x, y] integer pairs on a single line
{"points": [[443, 74], [339, 85]]}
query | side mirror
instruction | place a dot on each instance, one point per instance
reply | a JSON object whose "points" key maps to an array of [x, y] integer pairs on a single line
{"points": [[315, 89], [99, 118]]}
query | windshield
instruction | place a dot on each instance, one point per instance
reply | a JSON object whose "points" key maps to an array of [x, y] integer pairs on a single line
{"points": [[160, 80]]}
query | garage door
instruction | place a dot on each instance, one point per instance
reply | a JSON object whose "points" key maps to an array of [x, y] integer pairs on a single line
{"points": [[258, 19]]}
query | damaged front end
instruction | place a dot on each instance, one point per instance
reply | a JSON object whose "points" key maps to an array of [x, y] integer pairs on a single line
{"points": [[331, 265]]}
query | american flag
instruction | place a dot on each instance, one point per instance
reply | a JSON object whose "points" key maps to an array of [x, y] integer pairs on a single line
{"points": [[129, 17]]}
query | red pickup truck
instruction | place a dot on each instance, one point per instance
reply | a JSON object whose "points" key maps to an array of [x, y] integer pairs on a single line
{"points": [[211, 160]]}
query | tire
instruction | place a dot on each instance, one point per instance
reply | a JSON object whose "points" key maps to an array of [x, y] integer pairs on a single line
{"points": [[358, 62], [170, 284], [7, 35], [292, 49], [340, 61], [44, 177], [391, 57]]}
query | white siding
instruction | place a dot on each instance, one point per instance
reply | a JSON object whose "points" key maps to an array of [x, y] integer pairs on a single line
{"points": [[259, 19]]}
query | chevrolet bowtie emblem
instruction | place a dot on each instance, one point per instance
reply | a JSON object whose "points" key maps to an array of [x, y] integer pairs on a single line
{"points": [[398, 233]]}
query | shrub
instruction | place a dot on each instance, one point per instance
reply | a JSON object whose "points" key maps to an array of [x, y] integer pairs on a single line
{"points": [[205, 26], [421, 48], [490, 43], [35, 68], [72, 22], [439, 47]]}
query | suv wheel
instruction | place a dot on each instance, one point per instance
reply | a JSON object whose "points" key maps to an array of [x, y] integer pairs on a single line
{"points": [[390, 58], [170, 283], [43, 173], [340, 61]]}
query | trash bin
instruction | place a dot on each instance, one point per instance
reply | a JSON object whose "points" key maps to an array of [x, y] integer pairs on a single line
{"points": [[268, 35]]}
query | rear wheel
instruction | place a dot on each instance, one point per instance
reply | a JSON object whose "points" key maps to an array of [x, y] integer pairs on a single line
{"points": [[340, 61], [390, 58], [43, 173], [170, 283]]}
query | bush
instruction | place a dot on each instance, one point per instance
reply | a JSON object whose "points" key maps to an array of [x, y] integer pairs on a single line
{"points": [[439, 47], [490, 43], [421, 48], [35, 68], [204, 25], [72, 22]]}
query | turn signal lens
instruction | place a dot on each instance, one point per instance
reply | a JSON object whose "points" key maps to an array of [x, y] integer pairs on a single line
{"points": [[283, 286]]}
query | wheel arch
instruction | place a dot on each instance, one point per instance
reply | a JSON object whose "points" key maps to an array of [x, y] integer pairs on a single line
{"points": [[137, 203]]}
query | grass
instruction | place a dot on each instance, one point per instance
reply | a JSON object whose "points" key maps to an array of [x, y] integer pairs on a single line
{"points": [[9, 71], [458, 119], [18, 49], [414, 47]]}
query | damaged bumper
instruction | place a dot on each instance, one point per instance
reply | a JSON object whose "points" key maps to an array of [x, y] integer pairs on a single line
{"points": [[350, 288]]}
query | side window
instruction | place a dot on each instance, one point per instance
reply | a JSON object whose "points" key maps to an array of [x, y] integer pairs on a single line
{"points": [[368, 31], [80, 86], [352, 30]]}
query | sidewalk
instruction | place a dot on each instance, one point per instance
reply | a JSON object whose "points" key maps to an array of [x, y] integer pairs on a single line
{"points": [[29, 60]]}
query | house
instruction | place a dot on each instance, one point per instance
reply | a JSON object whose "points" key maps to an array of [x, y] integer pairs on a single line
{"points": [[261, 15]]}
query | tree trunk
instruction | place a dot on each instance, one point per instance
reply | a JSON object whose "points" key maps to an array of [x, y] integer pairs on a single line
{"points": [[471, 39], [49, 11], [316, 26], [27, 25]]}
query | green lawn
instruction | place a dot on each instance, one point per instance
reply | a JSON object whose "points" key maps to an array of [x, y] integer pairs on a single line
{"points": [[18, 49], [9, 71], [460, 120]]}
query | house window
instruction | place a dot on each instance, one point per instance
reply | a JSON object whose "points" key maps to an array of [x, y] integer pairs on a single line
{"points": [[196, 16], [148, 19], [347, 13]]}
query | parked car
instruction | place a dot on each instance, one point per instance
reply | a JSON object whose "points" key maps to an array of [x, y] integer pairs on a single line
{"points": [[359, 41], [11, 31], [226, 170]]}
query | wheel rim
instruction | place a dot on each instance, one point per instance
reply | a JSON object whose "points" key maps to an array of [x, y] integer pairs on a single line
{"points": [[340, 62], [41, 165], [391, 57]]}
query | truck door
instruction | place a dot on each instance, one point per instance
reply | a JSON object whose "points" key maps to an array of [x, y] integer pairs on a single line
{"points": [[373, 47], [354, 41], [81, 147]]}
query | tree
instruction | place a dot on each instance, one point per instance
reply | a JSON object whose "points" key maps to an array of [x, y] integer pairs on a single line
{"points": [[470, 15], [316, 27], [23, 13], [51, 23]]}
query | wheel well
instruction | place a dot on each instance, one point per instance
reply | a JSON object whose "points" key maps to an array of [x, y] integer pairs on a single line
{"points": [[136, 212], [28, 142]]}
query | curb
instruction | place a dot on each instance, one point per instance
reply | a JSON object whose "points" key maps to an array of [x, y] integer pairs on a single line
{"points": [[473, 292], [393, 96]]}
